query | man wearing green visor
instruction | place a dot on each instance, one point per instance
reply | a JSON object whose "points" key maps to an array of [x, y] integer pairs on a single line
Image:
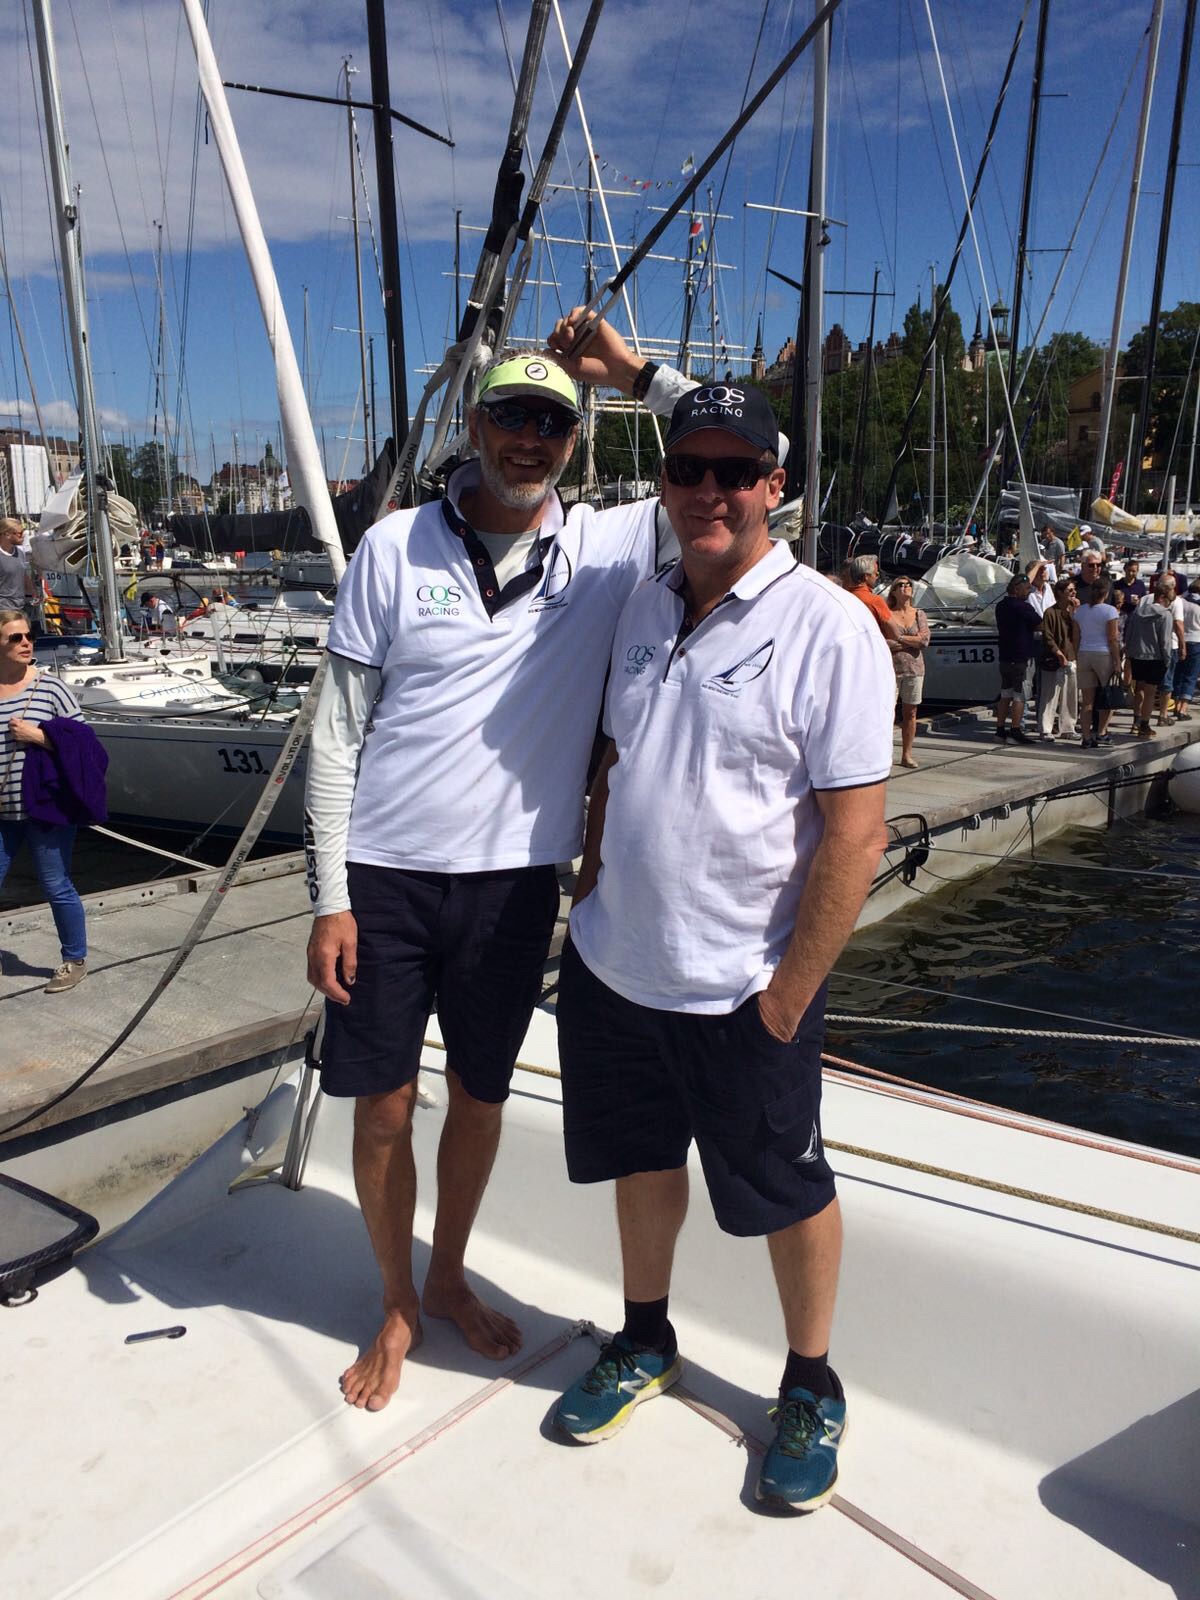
{"points": [[446, 779]]}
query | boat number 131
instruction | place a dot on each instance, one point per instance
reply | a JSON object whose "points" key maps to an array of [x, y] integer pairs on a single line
{"points": [[973, 652], [241, 760]]}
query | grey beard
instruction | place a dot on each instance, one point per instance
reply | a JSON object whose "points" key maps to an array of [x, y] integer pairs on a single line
{"points": [[518, 496]]}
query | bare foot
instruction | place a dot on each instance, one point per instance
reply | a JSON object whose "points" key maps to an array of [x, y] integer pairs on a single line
{"points": [[489, 1332], [371, 1381]]}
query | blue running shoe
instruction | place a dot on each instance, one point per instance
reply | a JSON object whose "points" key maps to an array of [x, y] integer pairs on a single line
{"points": [[800, 1469], [602, 1402]]}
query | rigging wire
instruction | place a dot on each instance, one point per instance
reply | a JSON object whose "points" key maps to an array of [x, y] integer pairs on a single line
{"points": [[1002, 1005], [937, 141], [39, 123], [889, 260], [998, 188]]}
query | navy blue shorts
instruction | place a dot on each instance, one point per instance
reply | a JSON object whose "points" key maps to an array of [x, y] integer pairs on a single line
{"points": [[474, 944], [639, 1085]]}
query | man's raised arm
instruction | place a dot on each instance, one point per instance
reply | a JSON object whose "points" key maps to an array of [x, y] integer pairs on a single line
{"points": [[608, 361]]}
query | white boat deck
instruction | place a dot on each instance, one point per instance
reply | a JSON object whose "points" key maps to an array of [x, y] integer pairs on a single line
{"points": [[1022, 1381]]}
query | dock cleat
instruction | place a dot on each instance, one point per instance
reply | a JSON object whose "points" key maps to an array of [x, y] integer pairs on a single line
{"points": [[603, 1400], [800, 1470]]}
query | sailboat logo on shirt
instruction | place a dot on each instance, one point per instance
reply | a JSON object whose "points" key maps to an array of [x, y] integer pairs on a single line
{"points": [[551, 594], [752, 666]]}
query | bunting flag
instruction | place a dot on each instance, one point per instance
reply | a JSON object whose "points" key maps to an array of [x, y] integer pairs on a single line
{"points": [[689, 165], [634, 181], [696, 228]]}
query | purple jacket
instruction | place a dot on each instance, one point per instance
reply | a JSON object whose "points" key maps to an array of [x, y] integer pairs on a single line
{"points": [[65, 786]]}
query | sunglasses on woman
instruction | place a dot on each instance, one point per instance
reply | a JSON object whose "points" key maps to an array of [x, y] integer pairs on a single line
{"points": [[730, 472], [16, 638], [511, 415]]}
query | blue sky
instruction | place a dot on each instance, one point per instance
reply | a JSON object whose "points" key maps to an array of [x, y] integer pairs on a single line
{"points": [[663, 82]]}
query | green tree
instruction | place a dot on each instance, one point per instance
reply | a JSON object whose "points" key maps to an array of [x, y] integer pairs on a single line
{"points": [[1177, 331], [122, 471], [1046, 393], [153, 471]]}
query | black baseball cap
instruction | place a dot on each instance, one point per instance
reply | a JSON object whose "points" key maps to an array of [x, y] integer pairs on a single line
{"points": [[733, 407]]}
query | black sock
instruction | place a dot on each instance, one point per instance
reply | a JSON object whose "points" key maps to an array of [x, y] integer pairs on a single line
{"points": [[646, 1326], [811, 1373]]}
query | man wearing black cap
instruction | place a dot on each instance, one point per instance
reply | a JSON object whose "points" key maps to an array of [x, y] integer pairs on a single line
{"points": [[446, 778], [757, 695]]}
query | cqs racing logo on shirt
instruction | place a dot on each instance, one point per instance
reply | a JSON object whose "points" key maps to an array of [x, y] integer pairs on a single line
{"points": [[551, 595], [637, 658], [734, 678], [438, 600]]}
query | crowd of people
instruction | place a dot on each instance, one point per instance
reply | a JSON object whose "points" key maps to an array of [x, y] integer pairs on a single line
{"points": [[1074, 644], [1078, 646]]}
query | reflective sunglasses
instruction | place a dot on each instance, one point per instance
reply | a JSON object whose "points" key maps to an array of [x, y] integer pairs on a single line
{"points": [[551, 422], [730, 472], [16, 638]]}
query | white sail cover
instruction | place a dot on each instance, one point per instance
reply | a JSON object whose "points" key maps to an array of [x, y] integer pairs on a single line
{"points": [[962, 587], [59, 542]]}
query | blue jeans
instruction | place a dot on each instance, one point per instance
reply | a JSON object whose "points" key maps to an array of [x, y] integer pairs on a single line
{"points": [[51, 852], [1186, 673]]}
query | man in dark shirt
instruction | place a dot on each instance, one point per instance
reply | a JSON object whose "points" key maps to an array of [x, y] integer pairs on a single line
{"points": [[1019, 628]]}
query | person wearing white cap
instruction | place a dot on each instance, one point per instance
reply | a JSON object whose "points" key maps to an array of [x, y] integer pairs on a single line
{"points": [[734, 831], [446, 779]]}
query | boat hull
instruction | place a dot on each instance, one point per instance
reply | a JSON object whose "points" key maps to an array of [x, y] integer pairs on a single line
{"points": [[962, 666], [196, 775]]}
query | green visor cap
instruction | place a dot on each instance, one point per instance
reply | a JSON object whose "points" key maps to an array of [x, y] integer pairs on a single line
{"points": [[528, 378]]}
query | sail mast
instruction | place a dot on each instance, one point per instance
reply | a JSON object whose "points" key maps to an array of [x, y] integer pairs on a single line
{"points": [[1035, 110], [860, 425], [389, 246], [814, 292], [1160, 260], [66, 210], [358, 279], [1109, 385]]}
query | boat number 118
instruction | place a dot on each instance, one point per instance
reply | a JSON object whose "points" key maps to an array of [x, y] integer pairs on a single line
{"points": [[241, 760], [972, 653]]}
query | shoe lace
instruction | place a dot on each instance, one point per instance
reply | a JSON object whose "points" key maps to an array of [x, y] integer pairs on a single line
{"points": [[797, 1422], [616, 1362]]}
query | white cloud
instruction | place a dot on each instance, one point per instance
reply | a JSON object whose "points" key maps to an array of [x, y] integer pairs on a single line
{"points": [[129, 97], [61, 417]]}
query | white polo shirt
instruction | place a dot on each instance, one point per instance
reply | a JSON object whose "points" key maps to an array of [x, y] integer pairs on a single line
{"points": [[722, 737], [476, 755]]}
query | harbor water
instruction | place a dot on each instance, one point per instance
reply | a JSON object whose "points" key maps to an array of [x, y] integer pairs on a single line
{"points": [[1101, 932]]}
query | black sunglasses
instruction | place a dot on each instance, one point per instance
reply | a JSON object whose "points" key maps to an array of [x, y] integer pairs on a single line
{"points": [[16, 638], [730, 472], [511, 415]]}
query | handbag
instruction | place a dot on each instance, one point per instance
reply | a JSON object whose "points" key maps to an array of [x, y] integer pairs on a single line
{"points": [[1112, 696]]}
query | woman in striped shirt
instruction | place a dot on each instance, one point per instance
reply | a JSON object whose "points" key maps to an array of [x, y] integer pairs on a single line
{"points": [[27, 699]]}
